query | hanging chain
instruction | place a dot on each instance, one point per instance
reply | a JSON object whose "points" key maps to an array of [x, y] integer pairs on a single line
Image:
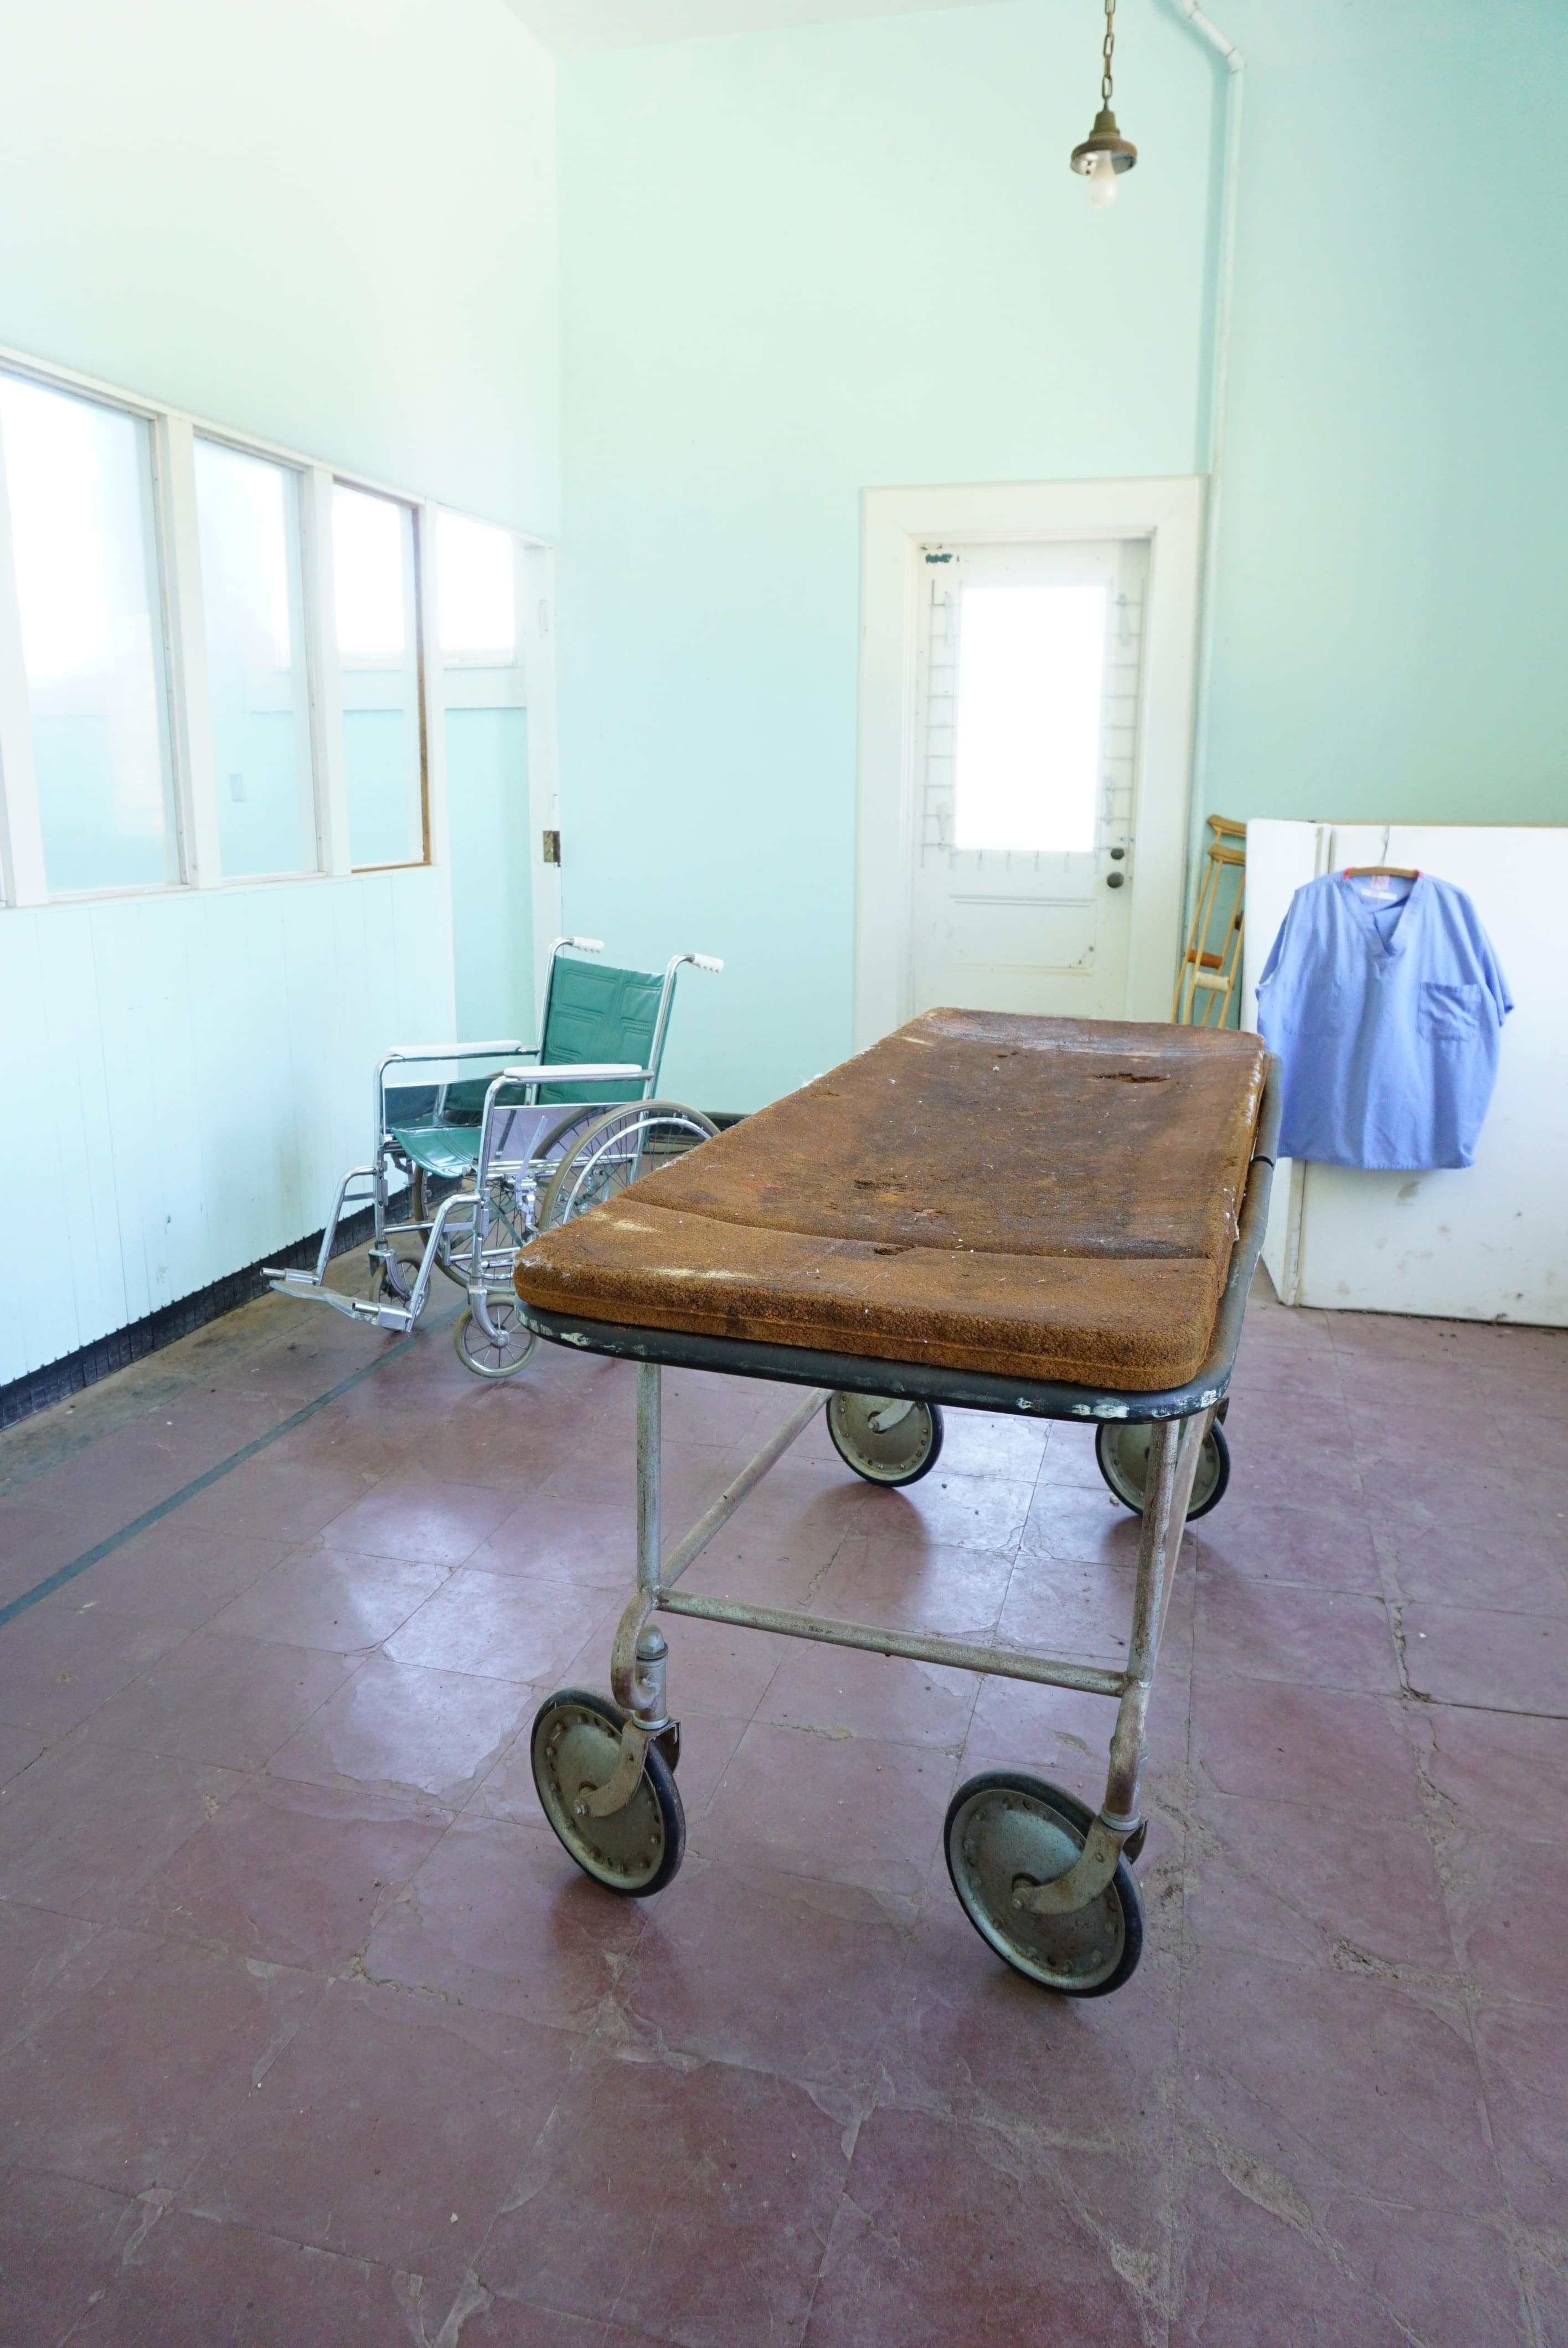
{"points": [[1110, 48]]}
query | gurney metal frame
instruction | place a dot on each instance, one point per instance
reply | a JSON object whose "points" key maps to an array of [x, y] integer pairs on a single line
{"points": [[641, 1737]]}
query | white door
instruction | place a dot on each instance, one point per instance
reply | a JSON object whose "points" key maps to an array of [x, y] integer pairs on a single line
{"points": [[1023, 878]]}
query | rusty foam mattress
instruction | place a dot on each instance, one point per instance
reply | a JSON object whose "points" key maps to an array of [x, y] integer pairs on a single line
{"points": [[1044, 1198]]}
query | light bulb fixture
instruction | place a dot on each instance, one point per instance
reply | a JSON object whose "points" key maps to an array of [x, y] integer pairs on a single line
{"points": [[1104, 153]]}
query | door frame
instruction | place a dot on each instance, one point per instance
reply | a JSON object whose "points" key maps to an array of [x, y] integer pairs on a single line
{"points": [[895, 524]]}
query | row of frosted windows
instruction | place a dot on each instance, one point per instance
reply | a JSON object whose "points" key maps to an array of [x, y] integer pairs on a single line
{"points": [[85, 552]]}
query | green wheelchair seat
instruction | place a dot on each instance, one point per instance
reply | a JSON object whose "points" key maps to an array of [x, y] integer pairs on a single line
{"points": [[448, 1152]]}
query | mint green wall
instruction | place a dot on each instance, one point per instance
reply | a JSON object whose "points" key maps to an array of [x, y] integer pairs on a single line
{"points": [[328, 224], [797, 264], [1392, 604]]}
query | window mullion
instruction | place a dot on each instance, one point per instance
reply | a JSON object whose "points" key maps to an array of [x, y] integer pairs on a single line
{"points": [[324, 670], [21, 836], [190, 697]]}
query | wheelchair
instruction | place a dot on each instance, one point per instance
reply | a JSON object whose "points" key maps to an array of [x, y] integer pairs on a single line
{"points": [[487, 1162]]}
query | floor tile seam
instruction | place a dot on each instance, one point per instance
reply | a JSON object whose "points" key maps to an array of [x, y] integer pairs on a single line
{"points": [[149, 1517], [1459, 1605], [828, 1736], [246, 1769], [173, 2207], [125, 1614], [305, 1646], [1468, 2208], [775, 1865], [606, 2323], [1379, 1697], [804, 2337], [1285, 1582], [33, 1431]]}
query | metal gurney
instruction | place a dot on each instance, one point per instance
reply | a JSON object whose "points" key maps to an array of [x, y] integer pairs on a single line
{"points": [[1054, 1217]]}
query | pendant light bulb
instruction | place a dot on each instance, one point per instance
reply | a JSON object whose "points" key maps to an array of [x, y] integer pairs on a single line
{"points": [[1104, 154]]}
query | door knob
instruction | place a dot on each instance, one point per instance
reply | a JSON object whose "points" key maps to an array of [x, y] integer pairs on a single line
{"points": [[1116, 880]]}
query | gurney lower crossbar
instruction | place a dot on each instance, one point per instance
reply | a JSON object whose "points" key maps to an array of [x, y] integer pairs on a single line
{"points": [[918, 1646]]}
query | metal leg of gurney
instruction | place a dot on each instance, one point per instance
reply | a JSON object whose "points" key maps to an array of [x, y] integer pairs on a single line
{"points": [[1035, 1871]]}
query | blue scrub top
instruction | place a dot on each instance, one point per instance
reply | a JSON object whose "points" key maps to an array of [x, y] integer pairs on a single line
{"points": [[1386, 1004]]}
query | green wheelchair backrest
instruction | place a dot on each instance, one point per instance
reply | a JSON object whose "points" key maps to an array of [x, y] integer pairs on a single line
{"points": [[597, 1012], [593, 1012]]}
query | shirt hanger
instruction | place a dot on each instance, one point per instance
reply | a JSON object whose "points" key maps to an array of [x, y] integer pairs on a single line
{"points": [[1383, 871]]}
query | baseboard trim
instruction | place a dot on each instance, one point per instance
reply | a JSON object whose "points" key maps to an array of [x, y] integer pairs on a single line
{"points": [[72, 1372]]}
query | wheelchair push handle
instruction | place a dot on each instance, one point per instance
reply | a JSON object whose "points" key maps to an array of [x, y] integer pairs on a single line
{"points": [[706, 962]]}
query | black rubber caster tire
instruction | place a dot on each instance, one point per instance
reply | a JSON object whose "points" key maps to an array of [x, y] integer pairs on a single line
{"points": [[892, 1456], [1003, 1826], [574, 1744], [1122, 1455]]}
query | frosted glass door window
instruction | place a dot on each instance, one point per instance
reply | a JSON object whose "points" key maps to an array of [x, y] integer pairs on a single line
{"points": [[251, 592], [1032, 665], [79, 476], [378, 650]]}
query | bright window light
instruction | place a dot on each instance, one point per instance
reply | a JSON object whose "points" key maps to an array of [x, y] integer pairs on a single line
{"points": [[79, 474], [1032, 667], [368, 537], [478, 610], [247, 511], [57, 447]]}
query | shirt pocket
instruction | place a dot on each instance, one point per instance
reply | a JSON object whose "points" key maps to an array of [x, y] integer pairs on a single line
{"points": [[1447, 1013]]}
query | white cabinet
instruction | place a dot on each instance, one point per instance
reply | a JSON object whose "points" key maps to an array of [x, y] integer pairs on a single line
{"points": [[1487, 1242]]}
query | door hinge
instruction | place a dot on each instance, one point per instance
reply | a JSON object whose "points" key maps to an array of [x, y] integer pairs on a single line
{"points": [[549, 852]]}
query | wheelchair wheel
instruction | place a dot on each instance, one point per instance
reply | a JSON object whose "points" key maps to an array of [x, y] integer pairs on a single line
{"points": [[885, 1438], [482, 1354], [1122, 1455], [557, 1138], [616, 1150]]}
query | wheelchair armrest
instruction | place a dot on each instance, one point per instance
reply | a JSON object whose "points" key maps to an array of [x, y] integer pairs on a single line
{"points": [[576, 1072], [499, 1049]]}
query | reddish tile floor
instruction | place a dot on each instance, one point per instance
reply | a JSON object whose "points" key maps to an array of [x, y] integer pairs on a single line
{"points": [[309, 2031]]}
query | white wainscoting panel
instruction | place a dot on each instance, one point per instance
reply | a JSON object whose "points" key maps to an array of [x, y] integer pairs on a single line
{"points": [[186, 1077]]}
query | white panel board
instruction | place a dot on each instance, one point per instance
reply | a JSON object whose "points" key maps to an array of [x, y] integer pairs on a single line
{"points": [[191, 1076], [1488, 1241]]}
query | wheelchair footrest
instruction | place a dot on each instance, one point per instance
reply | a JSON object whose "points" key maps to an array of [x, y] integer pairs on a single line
{"points": [[305, 1286]]}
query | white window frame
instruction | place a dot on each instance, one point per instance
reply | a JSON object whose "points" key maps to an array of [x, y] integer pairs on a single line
{"points": [[184, 649], [896, 524]]}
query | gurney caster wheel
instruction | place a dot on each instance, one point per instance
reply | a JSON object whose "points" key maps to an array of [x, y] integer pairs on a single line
{"points": [[1005, 1832], [884, 1438], [481, 1354], [574, 1746], [1121, 1455]]}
